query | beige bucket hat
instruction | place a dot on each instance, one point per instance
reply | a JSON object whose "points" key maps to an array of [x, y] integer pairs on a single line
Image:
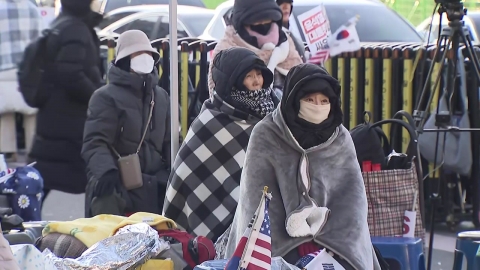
{"points": [[133, 41]]}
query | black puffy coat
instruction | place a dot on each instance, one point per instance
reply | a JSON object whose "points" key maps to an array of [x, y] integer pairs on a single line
{"points": [[60, 121], [117, 115]]}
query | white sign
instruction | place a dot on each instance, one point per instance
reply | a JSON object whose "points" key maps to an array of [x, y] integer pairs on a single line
{"points": [[316, 28], [48, 15], [324, 261], [409, 221]]}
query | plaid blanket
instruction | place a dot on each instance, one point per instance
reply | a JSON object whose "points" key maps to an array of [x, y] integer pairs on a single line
{"points": [[20, 23], [203, 188]]}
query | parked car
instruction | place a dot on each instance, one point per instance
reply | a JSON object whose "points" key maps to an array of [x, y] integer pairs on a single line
{"points": [[109, 5], [377, 23], [471, 20], [154, 21]]}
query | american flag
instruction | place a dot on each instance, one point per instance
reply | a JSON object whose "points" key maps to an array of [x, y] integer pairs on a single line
{"points": [[319, 57], [305, 260], [254, 251]]}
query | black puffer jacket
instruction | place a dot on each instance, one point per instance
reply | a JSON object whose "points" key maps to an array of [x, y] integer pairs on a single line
{"points": [[117, 115], [74, 78]]}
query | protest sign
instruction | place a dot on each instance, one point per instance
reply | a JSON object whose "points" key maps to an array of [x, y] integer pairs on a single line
{"points": [[316, 28]]}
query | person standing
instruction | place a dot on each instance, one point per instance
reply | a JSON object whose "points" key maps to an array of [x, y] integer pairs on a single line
{"points": [[20, 23], [129, 117], [287, 7], [75, 76]]}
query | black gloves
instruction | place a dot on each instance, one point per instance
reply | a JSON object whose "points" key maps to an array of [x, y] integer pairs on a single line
{"points": [[107, 183]]}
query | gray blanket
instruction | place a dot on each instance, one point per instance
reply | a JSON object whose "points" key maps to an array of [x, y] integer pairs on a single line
{"points": [[318, 194]]}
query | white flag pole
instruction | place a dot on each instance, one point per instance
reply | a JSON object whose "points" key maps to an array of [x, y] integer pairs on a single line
{"points": [[174, 120]]}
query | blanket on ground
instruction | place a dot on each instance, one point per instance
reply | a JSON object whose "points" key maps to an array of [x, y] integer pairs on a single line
{"points": [[95, 229], [282, 58], [203, 188], [318, 193]]}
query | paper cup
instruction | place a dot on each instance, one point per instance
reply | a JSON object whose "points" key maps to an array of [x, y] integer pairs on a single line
{"points": [[409, 223]]}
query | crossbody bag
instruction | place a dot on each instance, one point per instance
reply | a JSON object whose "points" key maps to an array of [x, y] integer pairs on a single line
{"points": [[129, 166]]}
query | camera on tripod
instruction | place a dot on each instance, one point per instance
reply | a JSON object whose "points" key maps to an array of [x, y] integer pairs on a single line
{"points": [[453, 8]]}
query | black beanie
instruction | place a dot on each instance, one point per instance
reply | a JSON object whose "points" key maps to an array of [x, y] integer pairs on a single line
{"points": [[76, 7], [247, 12]]}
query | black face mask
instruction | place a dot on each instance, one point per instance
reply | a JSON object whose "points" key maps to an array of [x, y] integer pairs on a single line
{"points": [[262, 29]]}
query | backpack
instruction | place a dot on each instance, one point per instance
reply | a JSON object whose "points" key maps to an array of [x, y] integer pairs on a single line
{"points": [[194, 250], [371, 143], [34, 66]]}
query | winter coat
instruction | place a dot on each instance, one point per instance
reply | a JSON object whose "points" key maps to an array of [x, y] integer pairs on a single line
{"points": [[60, 121], [117, 115], [7, 261], [318, 194]]}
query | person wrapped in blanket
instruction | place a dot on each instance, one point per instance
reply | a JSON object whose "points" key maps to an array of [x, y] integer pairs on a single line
{"points": [[306, 158], [203, 187], [257, 25]]}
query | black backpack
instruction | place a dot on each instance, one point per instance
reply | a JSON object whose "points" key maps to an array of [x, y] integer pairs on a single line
{"points": [[34, 67], [371, 143]]}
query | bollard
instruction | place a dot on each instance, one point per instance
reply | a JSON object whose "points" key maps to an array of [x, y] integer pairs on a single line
{"points": [[369, 80], [341, 79], [353, 90], [203, 82], [378, 83], [407, 90], [165, 79], [110, 54], [387, 88], [184, 88]]}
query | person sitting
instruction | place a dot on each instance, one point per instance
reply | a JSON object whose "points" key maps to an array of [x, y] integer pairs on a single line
{"points": [[257, 25], [127, 117], [202, 192], [306, 158]]}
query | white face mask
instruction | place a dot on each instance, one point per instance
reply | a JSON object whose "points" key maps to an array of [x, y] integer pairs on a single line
{"points": [[142, 64], [313, 113]]}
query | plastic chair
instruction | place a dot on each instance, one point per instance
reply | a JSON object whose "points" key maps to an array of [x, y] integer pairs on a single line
{"points": [[401, 253], [468, 244]]}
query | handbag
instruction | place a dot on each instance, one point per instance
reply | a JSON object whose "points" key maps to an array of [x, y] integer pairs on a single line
{"points": [[129, 166], [392, 192], [453, 148]]}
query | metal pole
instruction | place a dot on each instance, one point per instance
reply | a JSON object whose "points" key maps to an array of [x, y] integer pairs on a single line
{"points": [[174, 119]]}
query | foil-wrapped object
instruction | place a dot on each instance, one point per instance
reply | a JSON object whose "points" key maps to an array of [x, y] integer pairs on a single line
{"points": [[130, 247]]}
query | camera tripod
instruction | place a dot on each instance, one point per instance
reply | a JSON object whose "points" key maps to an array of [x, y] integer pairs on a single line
{"points": [[447, 54]]}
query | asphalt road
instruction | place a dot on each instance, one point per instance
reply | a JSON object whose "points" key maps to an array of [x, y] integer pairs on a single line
{"points": [[61, 206]]}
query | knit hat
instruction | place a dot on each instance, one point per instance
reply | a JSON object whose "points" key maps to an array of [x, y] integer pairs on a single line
{"points": [[133, 41], [247, 12]]}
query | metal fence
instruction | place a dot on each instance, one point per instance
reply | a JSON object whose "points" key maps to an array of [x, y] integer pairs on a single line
{"points": [[380, 78]]}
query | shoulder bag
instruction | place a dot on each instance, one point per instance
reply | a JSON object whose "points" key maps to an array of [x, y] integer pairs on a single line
{"points": [[129, 166]]}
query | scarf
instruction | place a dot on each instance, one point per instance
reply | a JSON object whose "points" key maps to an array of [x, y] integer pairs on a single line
{"points": [[259, 101]]}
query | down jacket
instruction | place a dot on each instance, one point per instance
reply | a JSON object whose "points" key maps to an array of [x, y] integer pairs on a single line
{"points": [[117, 115], [60, 120]]}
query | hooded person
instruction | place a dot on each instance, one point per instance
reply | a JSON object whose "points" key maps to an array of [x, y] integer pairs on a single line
{"points": [[306, 158], [287, 8], [129, 116], [257, 26], [74, 76], [202, 193]]}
